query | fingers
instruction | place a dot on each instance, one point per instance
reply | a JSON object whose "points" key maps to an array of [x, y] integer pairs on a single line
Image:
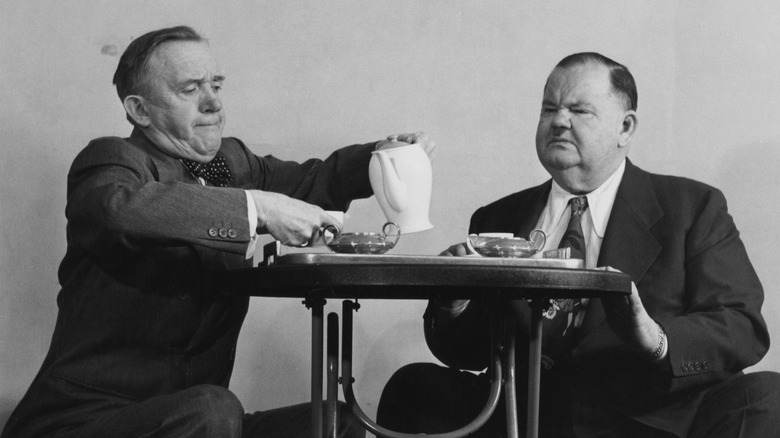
{"points": [[331, 224], [420, 138], [290, 221], [457, 250]]}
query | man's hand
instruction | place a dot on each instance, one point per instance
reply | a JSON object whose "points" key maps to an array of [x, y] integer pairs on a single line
{"points": [[629, 320], [290, 221], [457, 250], [421, 138]]}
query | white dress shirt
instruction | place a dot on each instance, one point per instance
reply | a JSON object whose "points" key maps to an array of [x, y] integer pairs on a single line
{"points": [[555, 216]]}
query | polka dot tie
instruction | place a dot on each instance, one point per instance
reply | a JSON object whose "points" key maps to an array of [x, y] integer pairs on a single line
{"points": [[215, 171]]}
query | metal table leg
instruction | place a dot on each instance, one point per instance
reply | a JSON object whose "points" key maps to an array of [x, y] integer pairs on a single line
{"points": [[316, 305], [332, 385], [534, 369], [371, 426], [510, 388]]}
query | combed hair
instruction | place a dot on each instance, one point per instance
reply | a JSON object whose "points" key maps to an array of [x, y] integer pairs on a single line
{"points": [[131, 73], [621, 79]]}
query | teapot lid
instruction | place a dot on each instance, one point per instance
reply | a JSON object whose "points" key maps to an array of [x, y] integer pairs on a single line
{"points": [[393, 142]]}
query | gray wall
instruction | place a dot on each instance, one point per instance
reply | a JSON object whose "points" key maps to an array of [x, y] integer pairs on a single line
{"points": [[305, 77]]}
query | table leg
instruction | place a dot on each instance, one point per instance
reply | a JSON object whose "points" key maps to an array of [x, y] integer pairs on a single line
{"points": [[331, 411], [316, 305], [379, 431], [510, 388], [534, 369]]}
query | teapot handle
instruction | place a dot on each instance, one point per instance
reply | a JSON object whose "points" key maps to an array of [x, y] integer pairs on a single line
{"points": [[537, 238], [331, 230], [390, 225]]}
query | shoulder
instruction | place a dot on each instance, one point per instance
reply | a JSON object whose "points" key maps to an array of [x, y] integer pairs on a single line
{"points": [[529, 195], [516, 212], [680, 192], [233, 145], [243, 163], [110, 150]]}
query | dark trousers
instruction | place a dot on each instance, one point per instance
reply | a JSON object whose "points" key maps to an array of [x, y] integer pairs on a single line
{"points": [[211, 412], [427, 398]]}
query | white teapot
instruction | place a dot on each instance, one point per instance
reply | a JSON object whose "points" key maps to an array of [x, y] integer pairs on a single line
{"points": [[401, 177]]}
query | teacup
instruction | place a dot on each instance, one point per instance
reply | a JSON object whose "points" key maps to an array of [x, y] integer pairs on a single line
{"points": [[506, 244], [361, 243]]}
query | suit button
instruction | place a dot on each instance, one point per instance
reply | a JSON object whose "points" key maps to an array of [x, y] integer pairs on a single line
{"points": [[232, 233], [697, 366], [685, 367], [213, 232], [704, 365], [222, 233]]}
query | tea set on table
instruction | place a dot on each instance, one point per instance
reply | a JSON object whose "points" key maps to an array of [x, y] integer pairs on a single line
{"points": [[401, 177]]}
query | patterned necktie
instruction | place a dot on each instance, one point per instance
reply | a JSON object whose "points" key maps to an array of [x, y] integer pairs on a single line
{"points": [[573, 237], [215, 171], [560, 316]]}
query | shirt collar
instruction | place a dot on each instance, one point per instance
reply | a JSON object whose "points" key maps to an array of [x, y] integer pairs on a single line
{"points": [[600, 201]]}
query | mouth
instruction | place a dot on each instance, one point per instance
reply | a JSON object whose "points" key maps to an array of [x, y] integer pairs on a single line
{"points": [[209, 123], [560, 141], [209, 126]]}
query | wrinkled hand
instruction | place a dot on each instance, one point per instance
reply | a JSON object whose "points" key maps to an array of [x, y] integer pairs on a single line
{"points": [[629, 320], [290, 221], [421, 138]]}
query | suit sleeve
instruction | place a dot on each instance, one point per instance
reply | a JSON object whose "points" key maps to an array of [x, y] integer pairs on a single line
{"points": [[332, 183], [116, 204], [720, 330]]}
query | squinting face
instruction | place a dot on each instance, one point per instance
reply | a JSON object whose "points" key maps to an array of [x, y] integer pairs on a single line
{"points": [[582, 136], [185, 110]]}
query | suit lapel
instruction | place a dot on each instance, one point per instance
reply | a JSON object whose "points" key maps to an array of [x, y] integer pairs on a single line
{"points": [[525, 214], [517, 213], [628, 244]]}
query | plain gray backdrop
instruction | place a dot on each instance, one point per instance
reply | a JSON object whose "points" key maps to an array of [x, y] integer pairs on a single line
{"points": [[305, 77]]}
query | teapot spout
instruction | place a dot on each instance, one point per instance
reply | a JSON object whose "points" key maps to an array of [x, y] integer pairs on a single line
{"points": [[396, 192]]}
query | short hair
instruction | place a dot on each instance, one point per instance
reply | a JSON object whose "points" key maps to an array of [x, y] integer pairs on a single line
{"points": [[131, 73], [619, 77]]}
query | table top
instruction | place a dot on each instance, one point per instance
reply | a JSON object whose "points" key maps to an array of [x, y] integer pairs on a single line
{"points": [[302, 275]]}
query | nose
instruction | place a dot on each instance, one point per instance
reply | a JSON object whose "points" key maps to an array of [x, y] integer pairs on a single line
{"points": [[561, 119], [210, 101]]}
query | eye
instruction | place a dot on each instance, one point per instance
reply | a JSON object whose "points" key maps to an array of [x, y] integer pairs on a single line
{"points": [[190, 90], [216, 86]]}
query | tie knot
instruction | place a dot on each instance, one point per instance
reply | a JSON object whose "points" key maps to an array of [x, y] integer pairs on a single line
{"points": [[215, 171], [578, 205]]}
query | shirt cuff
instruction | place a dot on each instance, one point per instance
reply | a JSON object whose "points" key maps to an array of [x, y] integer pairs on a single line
{"points": [[251, 211]]}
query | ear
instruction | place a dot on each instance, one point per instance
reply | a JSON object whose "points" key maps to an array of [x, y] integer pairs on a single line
{"points": [[135, 107], [628, 128]]}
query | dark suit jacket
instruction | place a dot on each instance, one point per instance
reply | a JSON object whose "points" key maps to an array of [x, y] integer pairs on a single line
{"points": [[676, 240], [138, 314]]}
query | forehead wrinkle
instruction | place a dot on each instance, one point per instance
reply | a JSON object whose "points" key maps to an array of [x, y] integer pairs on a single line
{"points": [[576, 91]]}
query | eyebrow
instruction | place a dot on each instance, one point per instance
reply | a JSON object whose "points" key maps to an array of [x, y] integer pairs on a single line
{"points": [[186, 82], [577, 103]]}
